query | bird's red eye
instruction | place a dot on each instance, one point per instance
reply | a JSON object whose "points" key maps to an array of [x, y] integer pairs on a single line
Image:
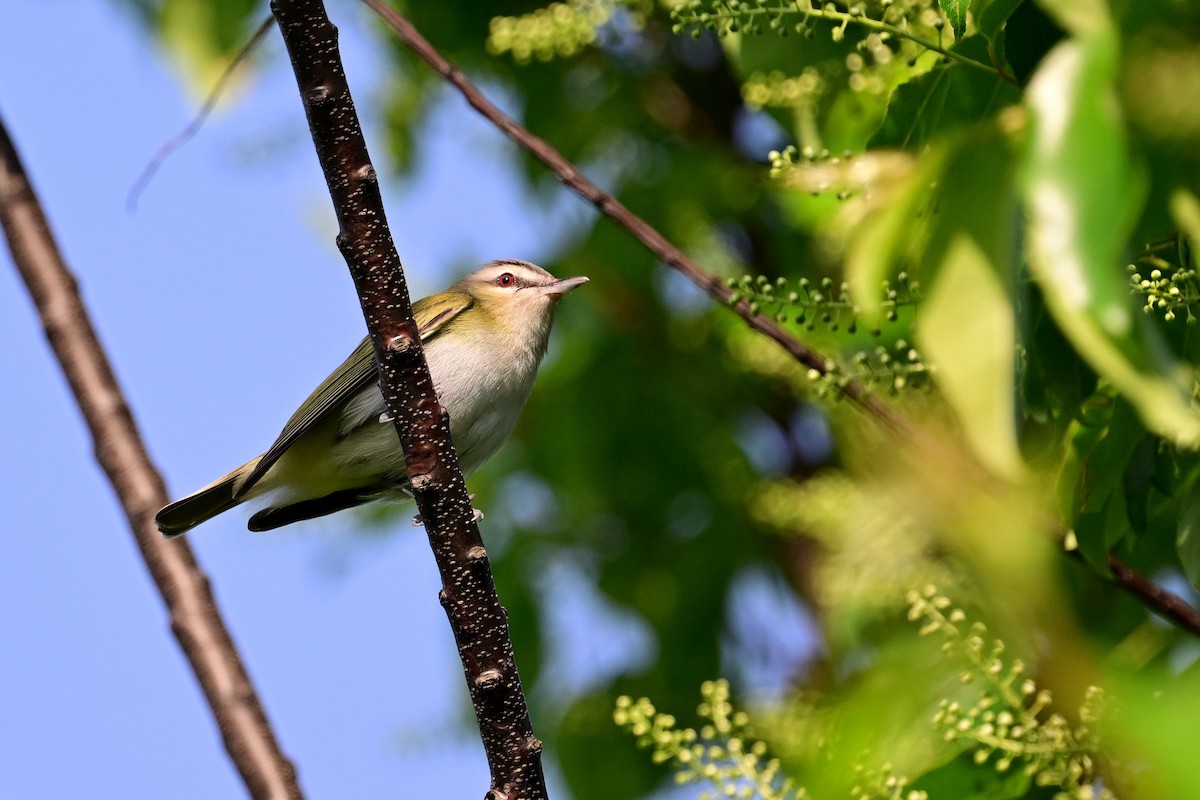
{"points": [[506, 280]]}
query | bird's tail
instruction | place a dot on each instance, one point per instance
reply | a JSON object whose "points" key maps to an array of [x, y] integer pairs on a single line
{"points": [[219, 496]]}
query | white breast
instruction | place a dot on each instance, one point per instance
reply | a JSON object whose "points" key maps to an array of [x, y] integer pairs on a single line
{"points": [[483, 387]]}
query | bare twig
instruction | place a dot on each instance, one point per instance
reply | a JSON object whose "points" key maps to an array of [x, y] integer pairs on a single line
{"points": [[1155, 597], [210, 102], [468, 592], [195, 618]]}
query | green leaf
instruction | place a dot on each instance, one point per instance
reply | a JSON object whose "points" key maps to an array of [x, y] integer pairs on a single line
{"points": [[1097, 531], [1090, 426], [1094, 478], [956, 14], [1078, 16], [967, 325], [967, 332], [1157, 721], [1083, 194], [991, 16], [1056, 381], [1106, 463], [942, 99], [1137, 483], [1187, 540], [1185, 210], [963, 779], [890, 233]]}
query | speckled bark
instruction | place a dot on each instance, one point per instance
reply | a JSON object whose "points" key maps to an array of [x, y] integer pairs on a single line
{"points": [[195, 619], [468, 591]]}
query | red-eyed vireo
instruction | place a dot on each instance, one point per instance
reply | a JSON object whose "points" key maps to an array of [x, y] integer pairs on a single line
{"points": [[484, 338]]}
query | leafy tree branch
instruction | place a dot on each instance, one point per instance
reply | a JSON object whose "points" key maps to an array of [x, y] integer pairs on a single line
{"points": [[1160, 600], [732, 16]]}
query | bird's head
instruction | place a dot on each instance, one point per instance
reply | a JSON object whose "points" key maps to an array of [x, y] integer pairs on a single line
{"points": [[516, 296]]}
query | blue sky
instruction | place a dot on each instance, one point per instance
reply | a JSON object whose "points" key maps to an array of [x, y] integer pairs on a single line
{"points": [[222, 302]]}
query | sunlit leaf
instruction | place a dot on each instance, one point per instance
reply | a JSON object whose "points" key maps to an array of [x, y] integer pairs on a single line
{"points": [[943, 99], [889, 232], [967, 333], [956, 14], [966, 324], [1185, 210], [1083, 194], [1078, 16], [1155, 728]]}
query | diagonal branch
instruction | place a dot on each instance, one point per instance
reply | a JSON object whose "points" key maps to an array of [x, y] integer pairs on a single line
{"points": [[468, 591], [610, 206], [195, 619], [1158, 599], [1153, 596]]}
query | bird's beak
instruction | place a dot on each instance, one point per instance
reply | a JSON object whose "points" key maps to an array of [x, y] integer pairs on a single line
{"points": [[562, 286]]}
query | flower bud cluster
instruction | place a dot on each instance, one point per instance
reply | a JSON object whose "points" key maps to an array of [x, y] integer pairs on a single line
{"points": [[893, 368], [1009, 722], [721, 753], [1166, 288], [874, 784], [886, 36], [822, 302], [560, 30], [776, 89]]}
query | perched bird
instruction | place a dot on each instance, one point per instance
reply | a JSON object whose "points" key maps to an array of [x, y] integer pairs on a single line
{"points": [[484, 338]]}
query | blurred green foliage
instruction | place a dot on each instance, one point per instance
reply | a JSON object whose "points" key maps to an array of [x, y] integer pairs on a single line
{"points": [[1032, 166]]}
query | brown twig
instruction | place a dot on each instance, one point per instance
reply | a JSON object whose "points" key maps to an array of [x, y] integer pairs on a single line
{"points": [[1155, 597], [468, 591], [195, 618], [1158, 599]]}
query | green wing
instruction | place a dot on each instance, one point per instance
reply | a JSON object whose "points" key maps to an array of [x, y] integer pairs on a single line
{"points": [[355, 374]]}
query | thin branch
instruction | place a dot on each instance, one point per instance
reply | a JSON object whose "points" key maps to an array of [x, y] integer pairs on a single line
{"points": [[195, 619], [645, 233], [1165, 603], [468, 592], [1155, 597], [814, 11], [210, 102]]}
